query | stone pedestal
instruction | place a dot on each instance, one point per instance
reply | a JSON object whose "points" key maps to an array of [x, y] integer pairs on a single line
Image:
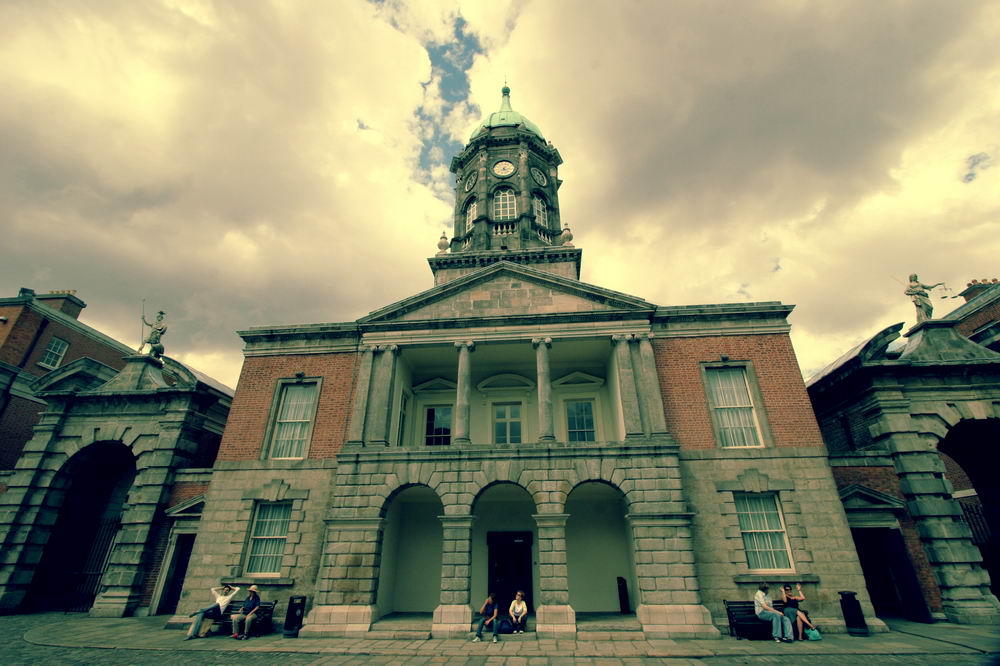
{"points": [[676, 621], [451, 621], [338, 621], [555, 621]]}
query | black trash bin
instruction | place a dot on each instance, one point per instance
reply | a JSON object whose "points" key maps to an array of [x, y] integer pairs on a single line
{"points": [[293, 618], [853, 617]]}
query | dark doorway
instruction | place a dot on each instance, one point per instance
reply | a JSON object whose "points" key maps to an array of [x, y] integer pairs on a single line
{"points": [[892, 583], [90, 494], [509, 567], [174, 582]]}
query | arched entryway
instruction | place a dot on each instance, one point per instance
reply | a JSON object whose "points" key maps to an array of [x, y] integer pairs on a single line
{"points": [[410, 570], [971, 455], [87, 495], [599, 554], [504, 545]]}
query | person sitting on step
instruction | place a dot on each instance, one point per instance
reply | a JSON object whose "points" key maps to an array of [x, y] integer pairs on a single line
{"points": [[489, 612], [518, 612]]}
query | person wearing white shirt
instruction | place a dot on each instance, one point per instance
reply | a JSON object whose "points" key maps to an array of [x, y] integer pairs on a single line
{"points": [[223, 595], [781, 626]]}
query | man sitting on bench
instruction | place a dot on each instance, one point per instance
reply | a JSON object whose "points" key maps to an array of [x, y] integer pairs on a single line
{"points": [[247, 614], [223, 595], [781, 626]]}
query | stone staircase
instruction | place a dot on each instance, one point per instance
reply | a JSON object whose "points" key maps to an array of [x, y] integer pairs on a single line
{"points": [[608, 627], [402, 626]]}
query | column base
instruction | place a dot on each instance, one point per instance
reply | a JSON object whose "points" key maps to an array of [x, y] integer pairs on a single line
{"points": [[974, 612], [338, 621], [451, 621], [555, 621], [114, 606], [676, 621]]}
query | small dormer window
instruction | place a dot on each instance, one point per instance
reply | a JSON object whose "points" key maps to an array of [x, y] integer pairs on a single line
{"points": [[504, 204], [471, 211], [53, 355], [541, 211]]}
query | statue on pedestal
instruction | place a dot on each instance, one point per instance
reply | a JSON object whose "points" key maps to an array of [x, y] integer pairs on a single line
{"points": [[156, 332], [917, 292]]}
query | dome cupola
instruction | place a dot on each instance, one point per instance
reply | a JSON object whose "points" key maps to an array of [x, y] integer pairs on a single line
{"points": [[506, 117]]}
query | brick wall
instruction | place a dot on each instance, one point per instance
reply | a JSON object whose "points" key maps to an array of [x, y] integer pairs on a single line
{"points": [[954, 473], [247, 422], [23, 331], [988, 314], [16, 424], [786, 402], [181, 492], [884, 480], [185, 490], [12, 312]]}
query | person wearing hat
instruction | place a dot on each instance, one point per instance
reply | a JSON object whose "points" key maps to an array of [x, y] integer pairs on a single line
{"points": [[223, 595], [246, 615]]}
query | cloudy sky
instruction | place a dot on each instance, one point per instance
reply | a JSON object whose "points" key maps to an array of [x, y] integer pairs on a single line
{"points": [[247, 163]]}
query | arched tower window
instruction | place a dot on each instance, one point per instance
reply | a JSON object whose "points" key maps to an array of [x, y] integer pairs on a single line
{"points": [[504, 204], [471, 211], [541, 210]]}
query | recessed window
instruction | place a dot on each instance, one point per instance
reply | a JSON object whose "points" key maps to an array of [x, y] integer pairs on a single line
{"points": [[504, 204], [580, 421], [268, 535], [54, 353], [471, 211], [763, 531], [732, 407], [507, 423], [293, 419], [541, 211], [437, 429], [404, 405]]}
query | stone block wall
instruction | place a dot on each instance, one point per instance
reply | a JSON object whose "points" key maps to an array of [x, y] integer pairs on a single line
{"points": [[823, 555], [786, 403], [248, 417]]}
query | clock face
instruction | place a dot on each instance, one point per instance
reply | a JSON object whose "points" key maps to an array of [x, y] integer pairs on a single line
{"points": [[539, 176], [471, 180], [503, 168]]}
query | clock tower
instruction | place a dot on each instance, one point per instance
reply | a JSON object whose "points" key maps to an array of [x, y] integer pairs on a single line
{"points": [[506, 201]]}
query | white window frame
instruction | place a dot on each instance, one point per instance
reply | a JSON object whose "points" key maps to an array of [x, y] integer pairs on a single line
{"points": [[504, 204], [451, 427], [541, 209], [274, 420], [592, 399], [253, 541], [493, 420], [737, 496], [56, 349], [471, 213], [753, 398]]}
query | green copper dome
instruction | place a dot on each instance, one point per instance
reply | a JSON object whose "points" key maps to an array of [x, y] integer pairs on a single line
{"points": [[506, 117]]}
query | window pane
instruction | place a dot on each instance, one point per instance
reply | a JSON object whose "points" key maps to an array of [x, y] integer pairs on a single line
{"points": [[541, 211], [762, 530], [54, 352], [507, 424], [470, 214], [580, 420], [504, 205], [733, 408], [437, 429], [292, 425], [268, 536]]}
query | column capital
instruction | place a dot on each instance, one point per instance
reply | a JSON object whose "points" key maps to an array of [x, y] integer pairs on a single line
{"points": [[619, 338], [547, 342], [550, 519], [366, 349], [392, 349], [465, 344]]}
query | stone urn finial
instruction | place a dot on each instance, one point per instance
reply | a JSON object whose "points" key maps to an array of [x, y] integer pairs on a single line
{"points": [[566, 237], [443, 244]]}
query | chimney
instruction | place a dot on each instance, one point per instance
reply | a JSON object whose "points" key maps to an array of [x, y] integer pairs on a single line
{"points": [[64, 301], [976, 287]]}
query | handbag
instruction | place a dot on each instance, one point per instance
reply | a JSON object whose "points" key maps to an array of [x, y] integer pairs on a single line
{"points": [[813, 634]]}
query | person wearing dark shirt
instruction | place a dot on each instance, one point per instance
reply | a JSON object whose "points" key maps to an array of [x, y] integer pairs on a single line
{"points": [[248, 611], [489, 612], [792, 611]]}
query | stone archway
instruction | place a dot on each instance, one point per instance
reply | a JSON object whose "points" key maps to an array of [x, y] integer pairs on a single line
{"points": [[88, 496], [504, 545]]}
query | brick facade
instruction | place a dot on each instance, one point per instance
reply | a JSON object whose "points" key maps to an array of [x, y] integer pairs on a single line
{"points": [[247, 425], [786, 403]]}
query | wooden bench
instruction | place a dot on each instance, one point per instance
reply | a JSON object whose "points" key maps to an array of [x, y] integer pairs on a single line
{"points": [[744, 623], [262, 622]]}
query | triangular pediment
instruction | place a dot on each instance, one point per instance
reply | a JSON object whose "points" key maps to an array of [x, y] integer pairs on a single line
{"points": [[856, 497], [507, 289], [83, 374]]}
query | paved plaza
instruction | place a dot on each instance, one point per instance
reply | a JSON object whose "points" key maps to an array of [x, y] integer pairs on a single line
{"points": [[56, 638]]}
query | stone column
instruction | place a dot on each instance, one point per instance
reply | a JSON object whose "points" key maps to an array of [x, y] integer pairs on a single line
{"points": [[463, 392], [626, 388], [649, 383], [957, 563], [380, 405], [546, 428], [453, 616], [554, 617], [359, 405], [348, 578], [669, 594]]}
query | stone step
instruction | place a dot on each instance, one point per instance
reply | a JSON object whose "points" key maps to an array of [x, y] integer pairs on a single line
{"points": [[509, 638], [398, 634], [588, 635]]}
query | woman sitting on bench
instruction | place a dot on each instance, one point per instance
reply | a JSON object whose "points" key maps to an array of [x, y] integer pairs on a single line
{"points": [[792, 611]]}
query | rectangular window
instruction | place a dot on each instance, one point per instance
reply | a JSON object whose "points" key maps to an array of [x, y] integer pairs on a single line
{"points": [[404, 404], [763, 530], [54, 353], [438, 426], [507, 423], [267, 538], [734, 415], [293, 421], [580, 420]]}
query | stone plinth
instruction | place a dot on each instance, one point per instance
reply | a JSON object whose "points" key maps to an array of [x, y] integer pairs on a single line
{"points": [[553, 621], [338, 621], [451, 621], [676, 621]]}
